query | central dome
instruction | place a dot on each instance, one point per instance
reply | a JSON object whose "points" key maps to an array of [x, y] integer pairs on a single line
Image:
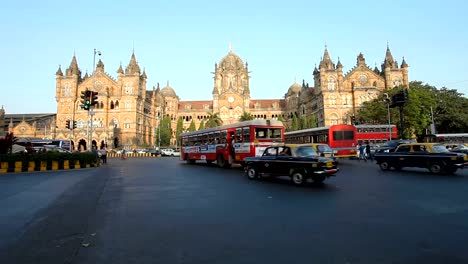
{"points": [[168, 91], [231, 61], [295, 88]]}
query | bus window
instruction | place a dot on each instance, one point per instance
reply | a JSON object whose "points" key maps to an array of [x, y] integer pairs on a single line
{"points": [[246, 134], [275, 132], [238, 134], [223, 138], [260, 133], [216, 137]]}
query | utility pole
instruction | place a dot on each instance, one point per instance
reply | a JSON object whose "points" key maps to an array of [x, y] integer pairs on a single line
{"points": [[433, 128]]}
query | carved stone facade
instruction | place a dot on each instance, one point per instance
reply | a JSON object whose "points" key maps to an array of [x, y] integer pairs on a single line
{"points": [[127, 114], [336, 96]]}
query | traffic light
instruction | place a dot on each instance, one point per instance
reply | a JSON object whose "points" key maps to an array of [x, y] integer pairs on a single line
{"points": [[86, 99], [353, 120], [405, 95], [67, 124], [94, 97], [74, 124]]}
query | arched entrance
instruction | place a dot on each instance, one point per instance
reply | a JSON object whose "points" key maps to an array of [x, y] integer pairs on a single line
{"points": [[82, 145], [116, 142], [94, 144]]}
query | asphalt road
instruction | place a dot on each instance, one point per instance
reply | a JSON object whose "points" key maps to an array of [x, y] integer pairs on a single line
{"points": [[154, 210]]}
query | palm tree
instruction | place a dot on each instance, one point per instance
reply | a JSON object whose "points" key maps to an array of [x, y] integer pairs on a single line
{"points": [[246, 116], [213, 120]]}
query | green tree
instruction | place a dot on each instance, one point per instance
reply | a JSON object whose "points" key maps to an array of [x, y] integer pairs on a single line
{"points": [[303, 124], [164, 132], [446, 105], [312, 121], [246, 116], [450, 114], [192, 126], [213, 120], [202, 125], [294, 123], [179, 129]]}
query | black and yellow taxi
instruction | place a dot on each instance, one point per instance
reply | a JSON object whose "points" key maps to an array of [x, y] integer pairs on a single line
{"points": [[433, 156], [298, 161]]}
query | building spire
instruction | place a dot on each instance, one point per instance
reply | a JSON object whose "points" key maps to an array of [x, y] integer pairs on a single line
{"points": [[230, 47], [73, 68], [132, 67], [389, 62], [326, 62]]}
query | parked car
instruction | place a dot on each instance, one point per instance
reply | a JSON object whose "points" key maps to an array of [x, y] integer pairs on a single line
{"points": [[154, 152], [170, 152], [433, 156], [298, 161]]}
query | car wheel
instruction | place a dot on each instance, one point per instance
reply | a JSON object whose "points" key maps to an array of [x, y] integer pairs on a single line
{"points": [[298, 178], [435, 168], [220, 161], [251, 173], [384, 165]]}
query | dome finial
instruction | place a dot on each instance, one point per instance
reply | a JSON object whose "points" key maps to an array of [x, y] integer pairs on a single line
{"points": [[230, 47]]}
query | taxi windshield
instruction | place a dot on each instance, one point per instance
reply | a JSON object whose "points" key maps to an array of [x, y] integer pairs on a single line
{"points": [[324, 148], [306, 151], [439, 149]]}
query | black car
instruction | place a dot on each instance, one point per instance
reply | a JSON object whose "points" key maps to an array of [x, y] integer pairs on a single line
{"points": [[391, 145], [432, 156], [300, 162]]}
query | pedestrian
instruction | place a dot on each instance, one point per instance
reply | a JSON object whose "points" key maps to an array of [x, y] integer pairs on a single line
{"points": [[123, 156], [104, 155], [362, 152], [368, 152], [232, 148]]}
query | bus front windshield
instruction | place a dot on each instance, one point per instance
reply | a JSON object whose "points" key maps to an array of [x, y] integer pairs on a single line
{"points": [[267, 133]]}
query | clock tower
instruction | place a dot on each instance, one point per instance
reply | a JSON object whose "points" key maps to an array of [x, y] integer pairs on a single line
{"points": [[231, 93]]}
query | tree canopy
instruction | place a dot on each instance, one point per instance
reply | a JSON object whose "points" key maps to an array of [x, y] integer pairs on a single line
{"points": [[214, 120], [246, 117], [448, 107]]}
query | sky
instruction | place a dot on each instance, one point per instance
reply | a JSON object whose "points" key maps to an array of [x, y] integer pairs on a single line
{"points": [[180, 41]]}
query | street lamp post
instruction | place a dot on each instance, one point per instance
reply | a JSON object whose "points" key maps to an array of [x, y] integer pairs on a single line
{"points": [[387, 100], [90, 112]]}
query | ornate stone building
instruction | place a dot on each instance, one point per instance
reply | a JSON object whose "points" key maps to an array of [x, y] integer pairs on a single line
{"points": [[336, 96], [128, 114], [124, 115]]}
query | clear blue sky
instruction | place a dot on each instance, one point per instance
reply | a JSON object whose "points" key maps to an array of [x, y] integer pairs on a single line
{"points": [[180, 41]]}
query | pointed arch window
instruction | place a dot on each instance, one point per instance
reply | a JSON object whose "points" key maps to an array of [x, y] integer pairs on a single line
{"points": [[334, 120], [331, 83], [117, 104], [114, 123], [127, 123], [112, 105]]}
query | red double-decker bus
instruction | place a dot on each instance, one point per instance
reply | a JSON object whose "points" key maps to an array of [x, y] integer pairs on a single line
{"points": [[341, 138], [230, 144], [375, 134]]}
